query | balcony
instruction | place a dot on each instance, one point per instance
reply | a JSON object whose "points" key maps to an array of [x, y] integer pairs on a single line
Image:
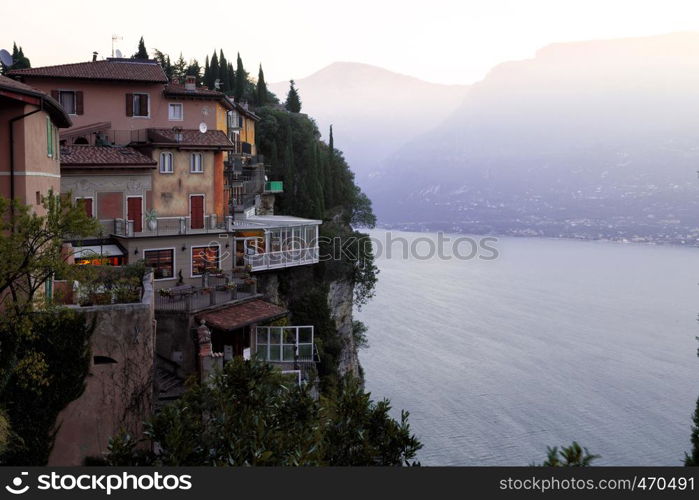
{"points": [[282, 259], [274, 187], [218, 291], [167, 226]]}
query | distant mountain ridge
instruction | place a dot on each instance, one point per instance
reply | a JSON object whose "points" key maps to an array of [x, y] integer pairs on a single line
{"points": [[373, 111]]}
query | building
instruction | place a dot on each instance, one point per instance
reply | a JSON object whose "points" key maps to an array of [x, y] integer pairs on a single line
{"points": [[29, 152]]}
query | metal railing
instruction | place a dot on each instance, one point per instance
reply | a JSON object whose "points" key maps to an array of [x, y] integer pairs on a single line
{"points": [[283, 258], [167, 226], [220, 290]]}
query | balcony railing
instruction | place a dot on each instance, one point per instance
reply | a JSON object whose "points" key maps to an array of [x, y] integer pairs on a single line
{"points": [[167, 226], [274, 187], [188, 298], [282, 259]]}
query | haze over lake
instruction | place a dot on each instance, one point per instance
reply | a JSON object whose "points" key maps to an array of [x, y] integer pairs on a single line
{"points": [[555, 341]]}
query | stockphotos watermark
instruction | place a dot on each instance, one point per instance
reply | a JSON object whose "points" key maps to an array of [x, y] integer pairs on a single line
{"points": [[421, 248], [353, 248], [105, 483]]}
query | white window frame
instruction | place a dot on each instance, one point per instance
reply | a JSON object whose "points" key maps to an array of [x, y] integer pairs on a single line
{"points": [[133, 104], [174, 261], [192, 163], [169, 111], [172, 163], [75, 101], [191, 258]]}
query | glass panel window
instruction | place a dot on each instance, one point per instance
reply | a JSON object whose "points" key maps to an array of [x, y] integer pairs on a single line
{"points": [[175, 112], [195, 163], [67, 100], [165, 163], [162, 263], [204, 259], [140, 105], [274, 352], [305, 335]]}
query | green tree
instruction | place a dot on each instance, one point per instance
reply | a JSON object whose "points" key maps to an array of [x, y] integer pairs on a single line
{"points": [[261, 89], [141, 53], [241, 80], [293, 100], [571, 456], [179, 68], [164, 61], [19, 60], [194, 69], [214, 71], [692, 460], [223, 72], [250, 414]]}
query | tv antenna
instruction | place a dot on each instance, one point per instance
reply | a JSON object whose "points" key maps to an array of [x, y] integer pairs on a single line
{"points": [[115, 37], [5, 58]]}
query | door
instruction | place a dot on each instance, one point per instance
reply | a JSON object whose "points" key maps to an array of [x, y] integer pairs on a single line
{"points": [[196, 211], [87, 205], [135, 212]]}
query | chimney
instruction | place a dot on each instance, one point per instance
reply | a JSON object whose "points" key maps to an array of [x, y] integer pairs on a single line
{"points": [[190, 82], [94, 56]]}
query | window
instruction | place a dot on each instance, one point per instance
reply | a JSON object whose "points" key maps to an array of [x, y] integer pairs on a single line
{"points": [[195, 164], [141, 105], [204, 259], [165, 163], [67, 100], [86, 203], [162, 263], [49, 138], [175, 112]]}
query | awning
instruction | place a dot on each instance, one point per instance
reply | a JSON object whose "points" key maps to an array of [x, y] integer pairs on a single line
{"points": [[92, 251], [237, 316]]}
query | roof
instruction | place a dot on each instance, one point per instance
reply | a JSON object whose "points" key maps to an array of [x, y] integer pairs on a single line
{"points": [[104, 156], [189, 138], [239, 315], [245, 111], [180, 91], [16, 90], [110, 69]]}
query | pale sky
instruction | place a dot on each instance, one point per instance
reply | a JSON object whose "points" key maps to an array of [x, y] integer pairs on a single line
{"points": [[435, 40]]}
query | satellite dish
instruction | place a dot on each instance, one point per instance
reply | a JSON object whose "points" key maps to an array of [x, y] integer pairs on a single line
{"points": [[5, 58], [217, 83], [118, 53], [203, 128]]}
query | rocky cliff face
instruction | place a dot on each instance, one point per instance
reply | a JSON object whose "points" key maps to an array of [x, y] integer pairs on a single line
{"points": [[286, 287], [340, 303]]}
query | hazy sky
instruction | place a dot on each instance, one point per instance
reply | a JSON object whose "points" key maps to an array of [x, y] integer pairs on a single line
{"points": [[436, 40]]}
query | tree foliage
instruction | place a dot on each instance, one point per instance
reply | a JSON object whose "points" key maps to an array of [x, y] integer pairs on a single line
{"points": [[571, 456], [141, 53], [293, 100], [250, 414]]}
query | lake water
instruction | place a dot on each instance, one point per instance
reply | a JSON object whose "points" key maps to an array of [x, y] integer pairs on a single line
{"points": [[554, 341]]}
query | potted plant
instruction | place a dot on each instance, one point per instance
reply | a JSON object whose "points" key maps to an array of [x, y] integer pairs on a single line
{"points": [[151, 217]]}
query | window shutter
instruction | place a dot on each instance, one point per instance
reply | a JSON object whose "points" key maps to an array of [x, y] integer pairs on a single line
{"points": [[129, 104], [79, 102], [54, 94]]}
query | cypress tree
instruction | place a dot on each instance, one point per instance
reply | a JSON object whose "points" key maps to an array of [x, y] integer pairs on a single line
{"points": [[19, 60], [142, 53], [213, 71], [293, 101], [223, 72], [231, 79], [241, 79], [692, 460], [261, 88], [207, 71]]}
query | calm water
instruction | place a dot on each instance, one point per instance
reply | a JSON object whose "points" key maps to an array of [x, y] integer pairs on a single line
{"points": [[555, 341]]}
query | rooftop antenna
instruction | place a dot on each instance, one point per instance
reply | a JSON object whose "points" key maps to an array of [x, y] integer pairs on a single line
{"points": [[115, 37], [5, 58]]}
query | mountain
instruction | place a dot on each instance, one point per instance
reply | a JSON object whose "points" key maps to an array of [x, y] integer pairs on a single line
{"points": [[373, 111], [595, 139]]}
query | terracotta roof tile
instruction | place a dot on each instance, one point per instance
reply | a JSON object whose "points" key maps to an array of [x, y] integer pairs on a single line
{"points": [[103, 156], [110, 69], [189, 138], [239, 315]]}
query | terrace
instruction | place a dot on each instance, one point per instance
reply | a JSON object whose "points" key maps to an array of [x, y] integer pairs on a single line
{"points": [[216, 291]]}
